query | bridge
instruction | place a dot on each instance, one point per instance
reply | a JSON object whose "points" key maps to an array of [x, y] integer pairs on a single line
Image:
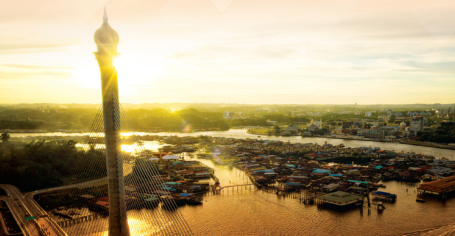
{"points": [[22, 207], [87, 184], [217, 189]]}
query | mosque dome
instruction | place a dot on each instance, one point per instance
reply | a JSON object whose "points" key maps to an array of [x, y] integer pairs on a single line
{"points": [[403, 123], [105, 34]]}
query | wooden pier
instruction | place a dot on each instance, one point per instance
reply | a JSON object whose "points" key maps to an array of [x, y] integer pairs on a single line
{"points": [[78, 220], [230, 188]]}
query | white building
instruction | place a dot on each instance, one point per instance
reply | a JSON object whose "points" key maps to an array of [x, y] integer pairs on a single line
{"points": [[228, 115], [416, 125]]}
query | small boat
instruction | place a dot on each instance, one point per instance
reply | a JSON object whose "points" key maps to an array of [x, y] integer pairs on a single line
{"points": [[385, 196], [168, 203], [420, 200], [195, 200]]}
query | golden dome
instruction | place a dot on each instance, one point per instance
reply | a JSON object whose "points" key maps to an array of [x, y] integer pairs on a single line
{"points": [[105, 34]]}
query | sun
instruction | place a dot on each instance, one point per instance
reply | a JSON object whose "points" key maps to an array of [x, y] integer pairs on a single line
{"points": [[133, 74]]}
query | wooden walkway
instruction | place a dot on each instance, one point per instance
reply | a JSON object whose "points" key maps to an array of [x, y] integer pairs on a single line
{"points": [[233, 186], [67, 223], [220, 189]]}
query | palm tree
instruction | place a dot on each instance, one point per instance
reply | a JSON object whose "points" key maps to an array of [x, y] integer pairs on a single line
{"points": [[5, 137]]}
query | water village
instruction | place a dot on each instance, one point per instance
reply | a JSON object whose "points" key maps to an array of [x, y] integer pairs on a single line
{"points": [[331, 176], [323, 172]]}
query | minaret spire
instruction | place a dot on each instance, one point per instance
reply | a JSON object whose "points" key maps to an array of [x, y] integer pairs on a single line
{"points": [[106, 40], [105, 15]]}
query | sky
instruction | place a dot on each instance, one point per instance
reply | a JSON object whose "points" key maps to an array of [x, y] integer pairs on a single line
{"points": [[232, 51]]}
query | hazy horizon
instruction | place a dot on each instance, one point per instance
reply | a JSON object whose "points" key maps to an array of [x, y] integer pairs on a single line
{"points": [[328, 52], [247, 104]]}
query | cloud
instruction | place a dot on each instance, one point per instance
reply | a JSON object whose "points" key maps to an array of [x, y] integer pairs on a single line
{"points": [[31, 48], [32, 67], [33, 75], [255, 51]]}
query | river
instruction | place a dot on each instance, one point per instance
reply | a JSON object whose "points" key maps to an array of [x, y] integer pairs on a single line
{"points": [[254, 212], [242, 134]]}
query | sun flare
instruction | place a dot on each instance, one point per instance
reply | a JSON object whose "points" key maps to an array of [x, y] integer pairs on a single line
{"points": [[132, 74]]}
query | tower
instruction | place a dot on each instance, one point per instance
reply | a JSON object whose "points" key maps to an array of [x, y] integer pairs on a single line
{"points": [[106, 40]]}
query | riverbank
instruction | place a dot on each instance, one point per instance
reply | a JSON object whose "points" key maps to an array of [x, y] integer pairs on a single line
{"points": [[425, 144], [262, 131], [259, 131], [408, 142]]}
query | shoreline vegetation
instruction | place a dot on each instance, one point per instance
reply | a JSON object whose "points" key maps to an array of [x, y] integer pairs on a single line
{"points": [[49, 163]]}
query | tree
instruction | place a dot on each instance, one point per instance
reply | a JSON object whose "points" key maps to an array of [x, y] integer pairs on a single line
{"points": [[277, 130], [392, 119], [5, 137]]}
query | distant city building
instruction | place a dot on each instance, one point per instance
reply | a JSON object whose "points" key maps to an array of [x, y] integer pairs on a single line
{"points": [[271, 122], [357, 124], [444, 113], [312, 127], [389, 130], [291, 130], [228, 115], [421, 113], [338, 130], [416, 124], [403, 125], [317, 123], [373, 134]]}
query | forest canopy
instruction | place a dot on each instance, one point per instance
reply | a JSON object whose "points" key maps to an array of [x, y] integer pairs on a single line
{"points": [[45, 164], [82, 118]]}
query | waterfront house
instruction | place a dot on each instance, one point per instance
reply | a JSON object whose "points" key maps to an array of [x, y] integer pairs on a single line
{"points": [[312, 127], [291, 130], [339, 198], [438, 187]]}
